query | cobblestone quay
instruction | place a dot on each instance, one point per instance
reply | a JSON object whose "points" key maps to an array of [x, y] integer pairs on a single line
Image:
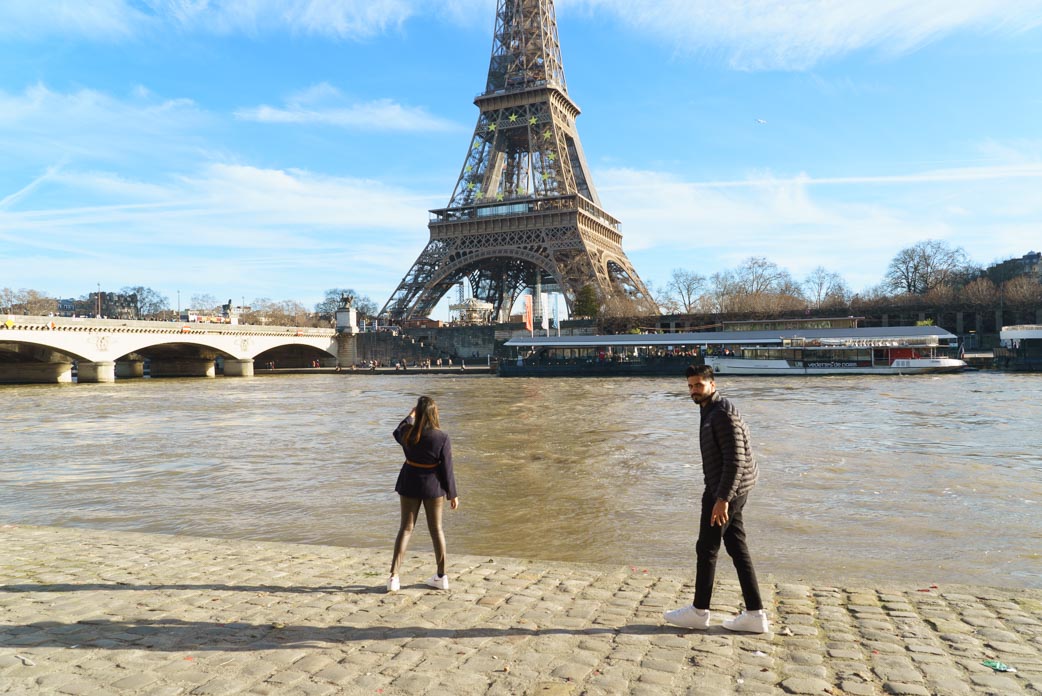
{"points": [[88, 612]]}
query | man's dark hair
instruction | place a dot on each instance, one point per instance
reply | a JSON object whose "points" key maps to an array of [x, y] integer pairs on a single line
{"points": [[700, 371]]}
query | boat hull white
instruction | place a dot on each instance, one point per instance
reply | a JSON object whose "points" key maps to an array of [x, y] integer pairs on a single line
{"points": [[909, 366]]}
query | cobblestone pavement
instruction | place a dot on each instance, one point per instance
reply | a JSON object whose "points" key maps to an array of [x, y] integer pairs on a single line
{"points": [[87, 612]]}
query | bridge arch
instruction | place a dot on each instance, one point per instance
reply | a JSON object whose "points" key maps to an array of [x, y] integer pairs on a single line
{"points": [[27, 343]]}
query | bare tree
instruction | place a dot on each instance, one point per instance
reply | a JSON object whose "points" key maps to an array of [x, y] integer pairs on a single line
{"points": [[278, 313], [33, 302], [362, 303], [979, 293], [205, 302], [150, 303], [684, 291], [926, 265], [824, 288], [1023, 291], [943, 294], [7, 296], [757, 285]]}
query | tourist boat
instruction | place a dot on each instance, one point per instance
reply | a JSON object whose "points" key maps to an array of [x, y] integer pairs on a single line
{"points": [[794, 349], [1021, 349]]}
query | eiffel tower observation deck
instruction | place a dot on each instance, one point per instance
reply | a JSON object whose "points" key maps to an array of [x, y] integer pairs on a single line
{"points": [[524, 212]]}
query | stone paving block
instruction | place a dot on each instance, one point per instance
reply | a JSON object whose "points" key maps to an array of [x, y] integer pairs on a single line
{"points": [[335, 674], [804, 658], [813, 671], [220, 686], [857, 688], [413, 683], [286, 677], [656, 678], [805, 685], [902, 689], [135, 681], [948, 687], [758, 674], [996, 684], [571, 671], [80, 686]]}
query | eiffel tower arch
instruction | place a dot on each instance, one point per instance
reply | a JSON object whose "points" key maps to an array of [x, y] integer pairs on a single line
{"points": [[524, 212]]}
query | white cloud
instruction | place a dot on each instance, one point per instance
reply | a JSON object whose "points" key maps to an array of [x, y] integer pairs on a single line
{"points": [[118, 19], [97, 19], [41, 125], [323, 104], [796, 34], [344, 19], [225, 228], [750, 34], [853, 225]]}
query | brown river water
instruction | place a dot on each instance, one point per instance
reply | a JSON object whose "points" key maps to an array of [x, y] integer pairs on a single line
{"points": [[923, 479]]}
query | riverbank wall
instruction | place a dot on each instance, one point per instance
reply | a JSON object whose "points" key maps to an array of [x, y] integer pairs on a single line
{"points": [[91, 612]]}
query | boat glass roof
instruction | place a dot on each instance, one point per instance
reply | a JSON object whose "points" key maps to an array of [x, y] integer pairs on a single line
{"points": [[732, 337]]}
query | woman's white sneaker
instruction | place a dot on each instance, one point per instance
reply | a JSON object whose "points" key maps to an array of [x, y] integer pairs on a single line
{"points": [[438, 582], [749, 622], [393, 584], [688, 617]]}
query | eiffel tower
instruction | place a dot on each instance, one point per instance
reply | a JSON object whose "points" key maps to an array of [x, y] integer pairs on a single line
{"points": [[524, 213]]}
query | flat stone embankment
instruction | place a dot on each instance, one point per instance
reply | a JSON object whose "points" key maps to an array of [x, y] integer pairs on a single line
{"points": [[90, 612]]}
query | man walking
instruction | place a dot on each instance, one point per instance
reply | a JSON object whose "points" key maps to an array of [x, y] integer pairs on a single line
{"points": [[730, 472]]}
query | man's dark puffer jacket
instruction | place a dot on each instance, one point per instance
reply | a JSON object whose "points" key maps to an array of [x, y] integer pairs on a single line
{"points": [[727, 453]]}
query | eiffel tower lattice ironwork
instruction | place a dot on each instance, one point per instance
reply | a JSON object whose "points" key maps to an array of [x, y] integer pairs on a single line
{"points": [[524, 212]]}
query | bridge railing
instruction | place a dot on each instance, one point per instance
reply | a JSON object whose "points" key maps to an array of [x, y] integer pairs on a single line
{"points": [[38, 323]]}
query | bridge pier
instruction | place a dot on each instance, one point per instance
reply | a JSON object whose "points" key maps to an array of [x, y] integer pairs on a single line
{"points": [[184, 367], [347, 349], [238, 368], [100, 371], [129, 369], [36, 373]]}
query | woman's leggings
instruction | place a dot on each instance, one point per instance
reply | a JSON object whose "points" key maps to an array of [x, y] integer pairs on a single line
{"points": [[410, 510]]}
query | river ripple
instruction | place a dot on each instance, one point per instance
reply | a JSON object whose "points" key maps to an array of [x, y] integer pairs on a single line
{"points": [[916, 479]]}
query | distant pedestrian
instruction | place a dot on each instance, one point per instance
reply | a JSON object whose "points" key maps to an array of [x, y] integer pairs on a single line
{"points": [[426, 479], [730, 472]]}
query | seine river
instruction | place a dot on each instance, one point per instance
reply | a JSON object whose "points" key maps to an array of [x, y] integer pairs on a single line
{"points": [[912, 479]]}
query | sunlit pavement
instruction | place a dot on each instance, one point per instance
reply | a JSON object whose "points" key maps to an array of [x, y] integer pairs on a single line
{"points": [[87, 612]]}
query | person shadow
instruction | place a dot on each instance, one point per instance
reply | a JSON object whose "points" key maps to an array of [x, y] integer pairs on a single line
{"points": [[169, 633]]}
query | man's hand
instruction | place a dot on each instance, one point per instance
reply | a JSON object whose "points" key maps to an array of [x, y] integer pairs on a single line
{"points": [[719, 514]]}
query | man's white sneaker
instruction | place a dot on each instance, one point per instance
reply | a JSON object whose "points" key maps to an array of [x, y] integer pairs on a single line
{"points": [[688, 617], [749, 622], [393, 584], [438, 582]]}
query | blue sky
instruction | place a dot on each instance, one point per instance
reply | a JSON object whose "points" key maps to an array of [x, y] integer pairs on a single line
{"points": [[278, 148]]}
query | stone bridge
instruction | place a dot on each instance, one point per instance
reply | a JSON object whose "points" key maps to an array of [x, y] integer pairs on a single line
{"points": [[42, 349]]}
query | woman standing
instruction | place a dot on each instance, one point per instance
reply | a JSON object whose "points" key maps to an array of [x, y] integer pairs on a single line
{"points": [[426, 478]]}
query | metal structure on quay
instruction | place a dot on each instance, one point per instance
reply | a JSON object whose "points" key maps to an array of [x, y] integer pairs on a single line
{"points": [[524, 213]]}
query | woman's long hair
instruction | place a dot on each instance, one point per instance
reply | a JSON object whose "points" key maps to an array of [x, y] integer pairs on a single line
{"points": [[426, 419]]}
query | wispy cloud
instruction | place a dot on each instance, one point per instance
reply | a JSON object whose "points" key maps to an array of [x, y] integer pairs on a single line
{"points": [[963, 174], [749, 34], [261, 231], [795, 35], [42, 125], [853, 225], [325, 105], [96, 20], [13, 198], [118, 19]]}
